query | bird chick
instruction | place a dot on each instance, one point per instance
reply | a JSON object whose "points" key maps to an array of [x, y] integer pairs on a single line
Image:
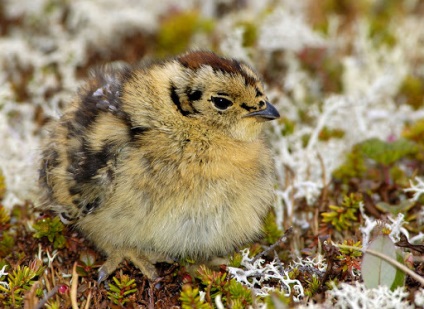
{"points": [[163, 161]]}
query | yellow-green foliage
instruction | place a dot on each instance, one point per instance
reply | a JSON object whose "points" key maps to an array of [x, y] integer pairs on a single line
{"points": [[349, 251], [342, 217], [240, 296], [4, 217], [52, 229], [350, 258], [322, 64], [190, 298], [326, 134], [250, 33], [121, 290], [236, 259], [383, 156], [176, 31], [19, 281], [415, 131], [347, 10], [403, 207], [387, 153], [412, 91], [233, 294], [215, 282], [277, 300], [271, 230], [2, 185], [287, 125], [53, 304], [378, 13], [313, 286], [6, 240], [353, 166]]}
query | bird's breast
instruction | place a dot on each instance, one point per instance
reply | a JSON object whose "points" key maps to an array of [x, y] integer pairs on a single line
{"points": [[187, 202]]}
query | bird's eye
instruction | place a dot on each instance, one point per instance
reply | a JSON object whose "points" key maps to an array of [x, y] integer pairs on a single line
{"points": [[221, 103]]}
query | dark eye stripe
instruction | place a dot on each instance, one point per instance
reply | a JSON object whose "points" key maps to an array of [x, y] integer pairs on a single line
{"points": [[176, 99], [195, 95]]}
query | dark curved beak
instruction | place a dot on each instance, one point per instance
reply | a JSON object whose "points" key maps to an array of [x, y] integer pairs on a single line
{"points": [[269, 113]]}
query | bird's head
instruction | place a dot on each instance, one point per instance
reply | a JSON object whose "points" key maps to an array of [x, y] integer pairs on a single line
{"points": [[225, 94]]}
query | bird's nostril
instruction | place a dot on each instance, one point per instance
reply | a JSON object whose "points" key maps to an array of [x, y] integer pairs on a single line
{"points": [[261, 104]]}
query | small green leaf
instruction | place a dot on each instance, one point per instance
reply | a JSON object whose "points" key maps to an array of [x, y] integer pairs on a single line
{"points": [[400, 275], [376, 271], [402, 207], [88, 258]]}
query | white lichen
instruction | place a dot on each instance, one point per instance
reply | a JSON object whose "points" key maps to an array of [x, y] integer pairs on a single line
{"points": [[417, 187], [358, 296], [259, 276], [4, 273]]}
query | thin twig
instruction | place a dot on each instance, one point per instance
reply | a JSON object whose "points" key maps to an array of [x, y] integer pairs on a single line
{"points": [[74, 287], [30, 297], [286, 234], [324, 193], [46, 297], [151, 295], [87, 305]]}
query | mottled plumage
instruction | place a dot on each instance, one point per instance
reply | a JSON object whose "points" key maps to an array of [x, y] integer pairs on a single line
{"points": [[163, 161]]}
